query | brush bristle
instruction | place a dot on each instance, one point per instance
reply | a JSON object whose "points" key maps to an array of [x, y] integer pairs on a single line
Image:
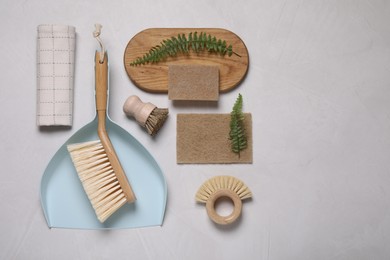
{"points": [[156, 120], [222, 182], [97, 177]]}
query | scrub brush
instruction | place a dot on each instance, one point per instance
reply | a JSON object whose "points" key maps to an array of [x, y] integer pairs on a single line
{"points": [[146, 114], [96, 162], [223, 187]]}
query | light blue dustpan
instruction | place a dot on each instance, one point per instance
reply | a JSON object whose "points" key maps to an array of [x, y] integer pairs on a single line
{"points": [[66, 205]]}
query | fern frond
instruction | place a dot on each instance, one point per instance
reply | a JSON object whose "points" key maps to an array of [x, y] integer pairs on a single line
{"points": [[237, 131], [182, 44]]}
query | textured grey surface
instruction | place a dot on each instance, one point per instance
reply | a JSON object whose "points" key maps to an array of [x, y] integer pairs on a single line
{"points": [[318, 89]]}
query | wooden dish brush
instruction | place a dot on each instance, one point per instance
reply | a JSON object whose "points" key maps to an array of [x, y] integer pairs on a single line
{"points": [[96, 162], [146, 114], [223, 187]]}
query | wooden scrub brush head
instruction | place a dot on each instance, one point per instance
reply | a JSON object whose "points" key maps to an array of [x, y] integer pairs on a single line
{"points": [[223, 187], [146, 114]]}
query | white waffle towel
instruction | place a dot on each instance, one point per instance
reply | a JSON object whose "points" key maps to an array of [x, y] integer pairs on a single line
{"points": [[55, 74]]}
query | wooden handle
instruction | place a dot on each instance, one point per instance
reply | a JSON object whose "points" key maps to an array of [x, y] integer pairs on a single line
{"points": [[101, 82], [141, 111], [224, 220], [101, 86]]}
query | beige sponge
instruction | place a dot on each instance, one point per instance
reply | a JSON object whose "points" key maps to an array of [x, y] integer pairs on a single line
{"points": [[193, 82], [204, 138]]}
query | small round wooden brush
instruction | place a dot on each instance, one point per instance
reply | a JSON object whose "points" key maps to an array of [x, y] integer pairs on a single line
{"points": [[146, 114], [223, 186]]}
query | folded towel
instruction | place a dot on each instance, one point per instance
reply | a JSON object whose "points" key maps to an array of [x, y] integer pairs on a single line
{"points": [[55, 74]]}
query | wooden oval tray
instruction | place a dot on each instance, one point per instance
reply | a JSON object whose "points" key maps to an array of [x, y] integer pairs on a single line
{"points": [[154, 77]]}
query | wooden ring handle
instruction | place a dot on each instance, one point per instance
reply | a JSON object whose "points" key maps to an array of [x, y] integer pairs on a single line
{"points": [[224, 220]]}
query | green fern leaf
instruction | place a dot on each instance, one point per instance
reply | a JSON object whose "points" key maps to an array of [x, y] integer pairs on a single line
{"points": [[182, 44], [237, 131]]}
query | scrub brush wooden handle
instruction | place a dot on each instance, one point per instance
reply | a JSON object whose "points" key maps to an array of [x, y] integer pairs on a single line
{"points": [[101, 81], [146, 114]]}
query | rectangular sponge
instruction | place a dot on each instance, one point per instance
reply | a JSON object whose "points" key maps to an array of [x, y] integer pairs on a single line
{"points": [[193, 82], [204, 138]]}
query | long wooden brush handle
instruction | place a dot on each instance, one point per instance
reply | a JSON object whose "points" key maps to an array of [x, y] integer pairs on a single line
{"points": [[101, 85]]}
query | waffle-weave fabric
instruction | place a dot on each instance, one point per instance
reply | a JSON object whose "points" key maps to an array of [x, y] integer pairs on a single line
{"points": [[55, 74]]}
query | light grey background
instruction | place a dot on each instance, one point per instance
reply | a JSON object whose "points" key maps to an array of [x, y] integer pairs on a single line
{"points": [[318, 88]]}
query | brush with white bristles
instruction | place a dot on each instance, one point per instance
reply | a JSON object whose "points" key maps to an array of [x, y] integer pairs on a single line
{"points": [[96, 162], [146, 114], [220, 183], [219, 187]]}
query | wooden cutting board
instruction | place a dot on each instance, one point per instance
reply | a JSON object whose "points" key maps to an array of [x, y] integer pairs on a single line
{"points": [[154, 77]]}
